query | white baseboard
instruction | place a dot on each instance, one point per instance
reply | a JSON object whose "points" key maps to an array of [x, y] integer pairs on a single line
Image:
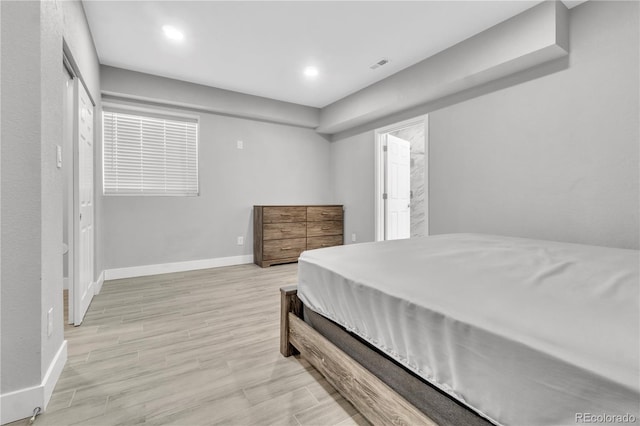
{"points": [[99, 283], [166, 268], [21, 403], [53, 373]]}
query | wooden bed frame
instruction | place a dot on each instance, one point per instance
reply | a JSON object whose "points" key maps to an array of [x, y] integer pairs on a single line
{"points": [[376, 401]]}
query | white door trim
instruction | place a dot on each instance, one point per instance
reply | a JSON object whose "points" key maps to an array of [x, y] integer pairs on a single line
{"points": [[380, 169], [69, 167]]}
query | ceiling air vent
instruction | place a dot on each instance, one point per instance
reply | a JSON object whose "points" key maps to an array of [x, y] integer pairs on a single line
{"points": [[380, 63]]}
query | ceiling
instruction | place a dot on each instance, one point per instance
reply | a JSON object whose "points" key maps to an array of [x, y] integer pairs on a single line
{"points": [[262, 47]]}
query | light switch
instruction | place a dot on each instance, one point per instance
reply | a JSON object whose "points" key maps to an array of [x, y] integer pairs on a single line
{"points": [[240, 144], [50, 322], [59, 156]]}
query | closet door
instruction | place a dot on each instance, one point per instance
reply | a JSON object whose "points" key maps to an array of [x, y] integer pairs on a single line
{"points": [[84, 287]]}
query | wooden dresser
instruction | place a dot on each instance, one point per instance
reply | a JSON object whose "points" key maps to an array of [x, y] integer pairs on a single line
{"points": [[281, 233]]}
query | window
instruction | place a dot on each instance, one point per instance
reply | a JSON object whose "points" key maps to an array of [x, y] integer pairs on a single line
{"points": [[147, 155]]}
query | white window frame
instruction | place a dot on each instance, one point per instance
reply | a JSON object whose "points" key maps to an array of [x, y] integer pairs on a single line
{"points": [[148, 113]]}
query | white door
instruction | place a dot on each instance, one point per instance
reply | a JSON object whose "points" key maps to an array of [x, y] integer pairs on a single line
{"points": [[83, 206], [398, 189]]}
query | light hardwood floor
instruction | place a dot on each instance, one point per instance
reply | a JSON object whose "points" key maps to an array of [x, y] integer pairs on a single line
{"points": [[192, 348]]}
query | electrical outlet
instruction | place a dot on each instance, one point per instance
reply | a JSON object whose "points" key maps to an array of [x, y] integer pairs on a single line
{"points": [[353, 237], [240, 241], [50, 322], [240, 144]]}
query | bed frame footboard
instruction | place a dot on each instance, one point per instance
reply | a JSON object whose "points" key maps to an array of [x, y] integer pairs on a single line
{"points": [[376, 401], [289, 303]]}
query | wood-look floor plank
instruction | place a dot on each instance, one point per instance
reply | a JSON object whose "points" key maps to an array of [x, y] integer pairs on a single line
{"points": [[329, 412], [357, 420], [277, 410], [190, 348]]}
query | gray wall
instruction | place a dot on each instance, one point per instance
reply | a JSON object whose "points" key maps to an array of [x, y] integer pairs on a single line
{"points": [[279, 164], [51, 181], [352, 166], [548, 153], [31, 185], [553, 158], [21, 196]]}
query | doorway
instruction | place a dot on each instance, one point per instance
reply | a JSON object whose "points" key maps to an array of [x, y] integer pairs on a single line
{"points": [[401, 198], [76, 160]]}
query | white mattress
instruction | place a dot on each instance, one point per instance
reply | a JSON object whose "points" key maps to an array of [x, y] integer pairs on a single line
{"points": [[525, 332]]}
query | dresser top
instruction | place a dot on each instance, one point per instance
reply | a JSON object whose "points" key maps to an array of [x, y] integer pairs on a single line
{"points": [[298, 205]]}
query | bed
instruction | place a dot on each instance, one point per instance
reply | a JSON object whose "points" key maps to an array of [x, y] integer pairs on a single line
{"points": [[469, 329]]}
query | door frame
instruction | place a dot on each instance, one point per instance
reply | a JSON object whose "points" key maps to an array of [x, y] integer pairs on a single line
{"points": [[70, 168], [74, 176], [379, 174]]}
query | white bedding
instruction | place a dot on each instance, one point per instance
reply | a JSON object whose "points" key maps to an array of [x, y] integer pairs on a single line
{"points": [[525, 332]]}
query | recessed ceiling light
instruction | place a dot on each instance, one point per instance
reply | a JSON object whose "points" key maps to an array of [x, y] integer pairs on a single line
{"points": [[172, 32], [311, 72]]}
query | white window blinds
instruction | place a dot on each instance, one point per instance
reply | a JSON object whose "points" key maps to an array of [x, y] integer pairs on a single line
{"points": [[145, 155]]}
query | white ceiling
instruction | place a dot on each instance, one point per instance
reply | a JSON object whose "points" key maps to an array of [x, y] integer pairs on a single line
{"points": [[262, 47]]}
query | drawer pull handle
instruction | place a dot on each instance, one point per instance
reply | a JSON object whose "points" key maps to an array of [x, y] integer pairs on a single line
{"points": [[325, 213], [325, 228], [284, 215], [286, 248]]}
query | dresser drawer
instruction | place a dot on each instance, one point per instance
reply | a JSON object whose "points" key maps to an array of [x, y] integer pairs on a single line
{"points": [[284, 249], [282, 233], [320, 242], [319, 213], [278, 231], [329, 227], [273, 214]]}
